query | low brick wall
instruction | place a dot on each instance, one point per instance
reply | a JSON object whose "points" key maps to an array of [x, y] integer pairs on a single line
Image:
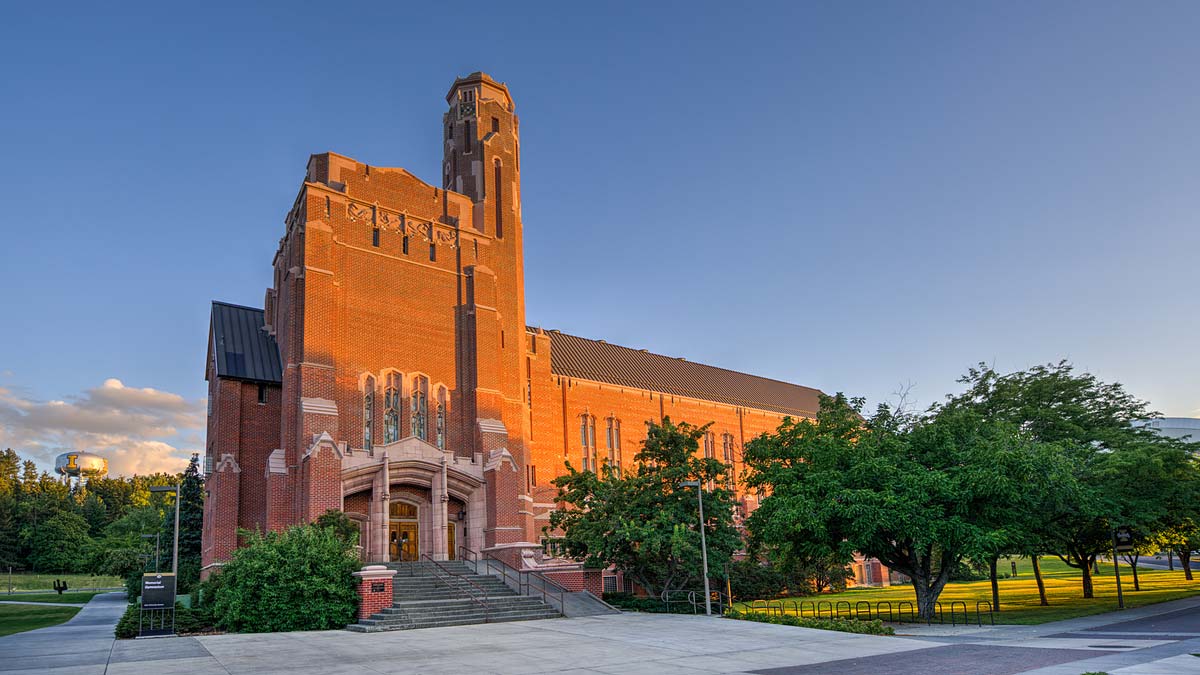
{"points": [[590, 580], [374, 589]]}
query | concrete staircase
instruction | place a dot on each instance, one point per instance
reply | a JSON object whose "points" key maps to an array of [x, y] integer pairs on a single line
{"points": [[424, 597]]}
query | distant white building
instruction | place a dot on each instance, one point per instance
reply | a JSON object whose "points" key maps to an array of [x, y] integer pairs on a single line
{"points": [[1175, 427]]}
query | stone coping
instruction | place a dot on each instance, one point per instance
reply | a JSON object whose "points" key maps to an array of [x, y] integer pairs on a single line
{"points": [[375, 572]]}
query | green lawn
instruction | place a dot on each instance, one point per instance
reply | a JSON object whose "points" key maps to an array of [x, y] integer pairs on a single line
{"points": [[18, 618], [81, 597], [1019, 596], [24, 581]]}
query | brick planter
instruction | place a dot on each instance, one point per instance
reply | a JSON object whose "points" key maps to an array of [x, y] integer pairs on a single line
{"points": [[374, 589]]}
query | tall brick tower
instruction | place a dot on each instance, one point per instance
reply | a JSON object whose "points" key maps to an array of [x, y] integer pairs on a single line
{"points": [[482, 161]]}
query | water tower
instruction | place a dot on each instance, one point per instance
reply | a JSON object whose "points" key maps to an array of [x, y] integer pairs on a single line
{"points": [[81, 466]]}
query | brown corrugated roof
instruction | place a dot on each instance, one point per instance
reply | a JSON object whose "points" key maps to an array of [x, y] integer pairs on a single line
{"points": [[572, 356]]}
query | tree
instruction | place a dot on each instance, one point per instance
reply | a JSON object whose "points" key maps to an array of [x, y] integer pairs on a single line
{"points": [[1115, 466], [920, 494], [644, 521], [191, 524], [341, 524], [60, 544]]}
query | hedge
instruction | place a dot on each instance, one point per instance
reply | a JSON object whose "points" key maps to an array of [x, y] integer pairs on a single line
{"points": [[872, 627]]}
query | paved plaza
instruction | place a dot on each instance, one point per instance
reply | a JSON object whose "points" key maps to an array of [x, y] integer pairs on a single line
{"points": [[1146, 641]]}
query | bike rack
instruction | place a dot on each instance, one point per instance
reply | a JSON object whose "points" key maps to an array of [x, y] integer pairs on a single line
{"points": [[828, 605], [858, 612], [879, 609], [966, 618], [991, 613], [838, 606]]}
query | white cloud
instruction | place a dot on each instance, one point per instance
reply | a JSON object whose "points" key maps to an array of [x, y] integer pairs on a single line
{"points": [[138, 430]]}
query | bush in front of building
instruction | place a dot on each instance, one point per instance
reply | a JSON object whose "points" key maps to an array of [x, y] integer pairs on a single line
{"points": [[299, 579], [631, 603], [870, 627]]}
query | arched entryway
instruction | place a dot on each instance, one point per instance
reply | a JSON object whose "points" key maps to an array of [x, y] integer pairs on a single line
{"points": [[404, 531]]}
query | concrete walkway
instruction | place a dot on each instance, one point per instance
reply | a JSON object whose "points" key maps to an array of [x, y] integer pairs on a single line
{"points": [[1147, 641], [1130, 642], [80, 646]]}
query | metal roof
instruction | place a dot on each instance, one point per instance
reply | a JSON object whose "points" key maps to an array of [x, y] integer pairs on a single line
{"points": [[243, 348], [572, 356]]}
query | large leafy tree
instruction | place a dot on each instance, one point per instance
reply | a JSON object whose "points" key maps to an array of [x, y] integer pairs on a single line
{"points": [[1116, 469], [920, 494], [644, 521], [59, 544]]}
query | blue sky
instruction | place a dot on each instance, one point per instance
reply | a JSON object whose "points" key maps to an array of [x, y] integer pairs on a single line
{"points": [[852, 196]]}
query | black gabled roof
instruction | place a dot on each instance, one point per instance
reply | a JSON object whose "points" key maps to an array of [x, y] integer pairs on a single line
{"points": [[600, 361], [242, 349]]}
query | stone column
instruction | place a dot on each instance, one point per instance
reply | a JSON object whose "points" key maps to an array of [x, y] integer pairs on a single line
{"points": [[374, 589], [440, 495], [383, 508]]}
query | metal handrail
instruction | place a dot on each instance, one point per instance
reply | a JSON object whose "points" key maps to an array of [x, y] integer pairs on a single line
{"points": [[722, 601], [480, 599], [551, 592]]}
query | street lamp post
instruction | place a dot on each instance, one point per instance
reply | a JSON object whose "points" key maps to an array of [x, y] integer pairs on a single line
{"points": [[703, 543], [156, 536], [175, 554]]}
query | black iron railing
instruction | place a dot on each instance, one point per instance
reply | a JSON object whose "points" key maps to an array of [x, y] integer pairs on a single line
{"points": [[901, 612], [459, 585]]}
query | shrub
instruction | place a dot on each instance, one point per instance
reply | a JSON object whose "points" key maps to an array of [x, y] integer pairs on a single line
{"points": [[127, 627], [299, 579], [194, 620], [872, 627], [186, 621], [630, 602]]}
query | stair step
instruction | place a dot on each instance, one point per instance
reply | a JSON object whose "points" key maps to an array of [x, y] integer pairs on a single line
{"points": [[425, 598]]}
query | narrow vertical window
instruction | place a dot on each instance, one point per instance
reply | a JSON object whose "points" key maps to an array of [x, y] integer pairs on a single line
{"points": [[617, 442], [533, 474], [499, 196], [375, 237], [467, 137], [391, 409], [708, 445], [496, 125], [441, 419], [433, 252], [587, 437], [420, 407], [368, 412], [449, 132], [404, 244], [262, 393]]}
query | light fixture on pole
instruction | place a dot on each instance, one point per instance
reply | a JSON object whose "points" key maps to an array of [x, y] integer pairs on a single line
{"points": [[156, 537], [175, 555], [703, 544]]}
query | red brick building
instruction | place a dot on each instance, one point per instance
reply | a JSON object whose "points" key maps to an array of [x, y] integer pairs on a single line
{"points": [[391, 374]]}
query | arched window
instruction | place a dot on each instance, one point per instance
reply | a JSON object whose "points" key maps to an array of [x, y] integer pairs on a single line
{"points": [[587, 438], [613, 438], [420, 407], [368, 412], [441, 418], [499, 199], [391, 409]]}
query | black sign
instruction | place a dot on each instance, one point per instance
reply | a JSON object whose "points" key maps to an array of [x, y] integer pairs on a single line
{"points": [[1123, 539], [158, 591], [378, 586]]}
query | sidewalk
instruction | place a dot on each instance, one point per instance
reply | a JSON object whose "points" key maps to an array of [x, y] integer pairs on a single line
{"points": [[78, 647]]}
